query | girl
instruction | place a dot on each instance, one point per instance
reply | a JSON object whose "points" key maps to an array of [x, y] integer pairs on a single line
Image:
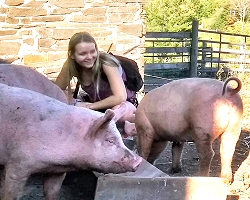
{"points": [[99, 73]]}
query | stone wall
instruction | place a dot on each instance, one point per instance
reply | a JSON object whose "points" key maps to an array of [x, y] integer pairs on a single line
{"points": [[36, 32]]}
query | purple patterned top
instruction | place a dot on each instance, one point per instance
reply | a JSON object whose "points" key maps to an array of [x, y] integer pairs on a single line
{"points": [[105, 90]]}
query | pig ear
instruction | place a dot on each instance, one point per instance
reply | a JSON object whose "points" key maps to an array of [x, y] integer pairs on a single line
{"points": [[119, 112], [108, 116]]}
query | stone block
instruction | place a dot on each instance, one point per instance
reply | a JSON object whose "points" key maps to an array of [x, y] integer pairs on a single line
{"points": [[2, 18], [58, 24], [101, 33], [8, 32], [63, 34], [26, 12], [35, 4], [128, 8], [29, 41], [47, 18], [3, 10], [30, 58], [25, 32], [105, 47], [160, 188], [61, 11], [9, 48], [131, 29], [55, 56], [67, 4], [47, 43], [63, 43], [94, 11], [44, 32], [14, 2], [25, 20], [13, 38], [123, 17], [89, 18], [12, 20]]}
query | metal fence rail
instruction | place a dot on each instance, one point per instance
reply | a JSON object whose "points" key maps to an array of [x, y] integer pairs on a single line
{"points": [[169, 55]]}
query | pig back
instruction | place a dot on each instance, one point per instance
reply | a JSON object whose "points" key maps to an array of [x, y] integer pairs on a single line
{"points": [[180, 94], [173, 107], [24, 112], [163, 108], [24, 77]]}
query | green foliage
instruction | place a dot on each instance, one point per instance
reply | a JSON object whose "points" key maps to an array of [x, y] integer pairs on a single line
{"points": [[239, 27], [172, 15], [216, 21], [177, 15]]}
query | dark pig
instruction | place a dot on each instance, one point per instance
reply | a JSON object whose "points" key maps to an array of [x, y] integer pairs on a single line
{"points": [[39, 134], [192, 109], [25, 77]]}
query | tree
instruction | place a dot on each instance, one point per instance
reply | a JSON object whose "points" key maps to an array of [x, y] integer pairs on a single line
{"points": [[177, 15], [241, 9], [171, 15], [217, 17]]}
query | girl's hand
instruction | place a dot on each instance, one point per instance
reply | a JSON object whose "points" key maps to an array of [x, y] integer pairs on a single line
{"points": [[83, 104]]}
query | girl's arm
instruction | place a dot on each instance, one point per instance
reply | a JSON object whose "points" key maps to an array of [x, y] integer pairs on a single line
{"points": [[117, 87], [63, 82]]}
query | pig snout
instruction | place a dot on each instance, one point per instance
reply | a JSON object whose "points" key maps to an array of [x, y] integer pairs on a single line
{"points": [[132, 160], [137, 163], [129, 129]]}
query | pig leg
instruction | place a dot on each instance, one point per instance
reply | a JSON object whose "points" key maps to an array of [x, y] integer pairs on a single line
{"points": [[14, 182], [206, 154], [52, 185], [157, 148], [203, 140], [176, 156], [227, 148], [144, 142]]}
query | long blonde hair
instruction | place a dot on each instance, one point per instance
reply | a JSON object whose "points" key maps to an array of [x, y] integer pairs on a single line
{"points": [[102, 58]]}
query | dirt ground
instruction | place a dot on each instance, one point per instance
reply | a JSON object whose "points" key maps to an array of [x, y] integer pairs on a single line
{"points": [[81, 185]]}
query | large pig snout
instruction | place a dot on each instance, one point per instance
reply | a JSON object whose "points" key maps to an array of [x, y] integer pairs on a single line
{"points": [[137, 163], [133, 160]]}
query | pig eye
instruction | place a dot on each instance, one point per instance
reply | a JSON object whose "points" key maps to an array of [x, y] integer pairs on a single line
{"points": [[111, 141]]}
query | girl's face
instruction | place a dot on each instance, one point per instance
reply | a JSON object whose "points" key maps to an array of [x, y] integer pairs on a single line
{"points": [[85, 54]]}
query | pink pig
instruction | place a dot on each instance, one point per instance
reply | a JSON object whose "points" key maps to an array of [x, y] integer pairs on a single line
{"points": [[24, 77], [39, 134], [192, 109]]}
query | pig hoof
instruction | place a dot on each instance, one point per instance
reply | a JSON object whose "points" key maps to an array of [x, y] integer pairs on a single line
{"points": [[176, 170]]}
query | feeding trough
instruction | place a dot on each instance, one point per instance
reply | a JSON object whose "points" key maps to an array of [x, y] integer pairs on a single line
{"points": [[148, 182], [160, 188]]}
